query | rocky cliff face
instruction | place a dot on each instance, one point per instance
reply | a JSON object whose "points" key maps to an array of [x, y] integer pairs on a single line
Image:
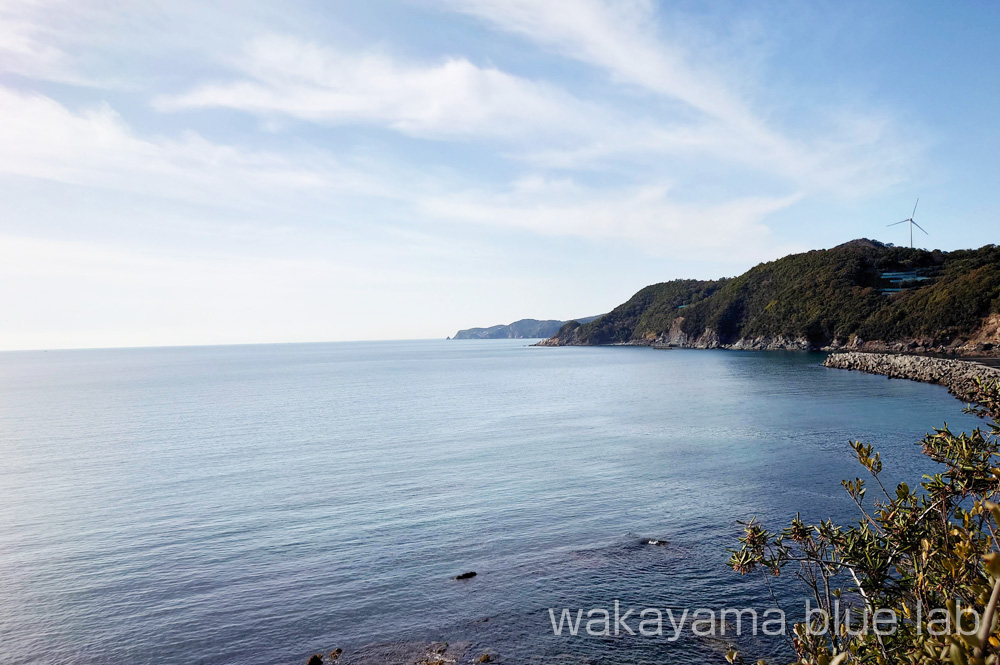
{"points": [[959, 376], [709, 339], [986, 342]]}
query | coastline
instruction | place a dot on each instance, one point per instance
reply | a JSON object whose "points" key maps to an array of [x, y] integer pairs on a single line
{"points": [[969, 349], [958, 376]]}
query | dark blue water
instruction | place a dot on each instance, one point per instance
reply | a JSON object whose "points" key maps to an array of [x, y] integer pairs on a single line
{"points": [[257, 504]]}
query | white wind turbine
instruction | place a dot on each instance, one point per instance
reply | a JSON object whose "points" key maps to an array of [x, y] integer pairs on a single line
{"points": [[912, 223]]}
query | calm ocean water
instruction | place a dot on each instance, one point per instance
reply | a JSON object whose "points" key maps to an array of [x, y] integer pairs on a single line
{"points": [[256, 504]]}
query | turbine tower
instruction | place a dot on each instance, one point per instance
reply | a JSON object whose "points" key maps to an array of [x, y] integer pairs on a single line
{"points": [[912, 223]]}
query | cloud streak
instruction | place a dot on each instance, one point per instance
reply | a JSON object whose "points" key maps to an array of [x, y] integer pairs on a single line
{"points": [[450, 99], [620, 39], [95, 147], [646, 216], [700, 115]]}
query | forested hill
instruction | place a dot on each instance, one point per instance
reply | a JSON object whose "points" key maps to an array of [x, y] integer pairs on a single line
{"points": [[523, 329], [860, 295]]}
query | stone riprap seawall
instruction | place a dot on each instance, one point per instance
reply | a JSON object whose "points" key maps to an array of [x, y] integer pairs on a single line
{"points": [[958, 376]]}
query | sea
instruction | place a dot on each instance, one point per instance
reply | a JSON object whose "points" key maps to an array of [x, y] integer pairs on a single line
{"points": [[260, 504]]}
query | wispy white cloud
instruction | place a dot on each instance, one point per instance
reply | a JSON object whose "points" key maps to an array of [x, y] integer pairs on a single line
{"points": [[282, 77], [540, 123], [648, 216], [621, 38], [452, 98], [706, 117], [94, 146], [26, 47], [845, 152]]}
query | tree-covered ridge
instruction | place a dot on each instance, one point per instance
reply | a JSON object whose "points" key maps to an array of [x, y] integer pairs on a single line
{"points": [[822, 298], [650, 308], [522, 329]]}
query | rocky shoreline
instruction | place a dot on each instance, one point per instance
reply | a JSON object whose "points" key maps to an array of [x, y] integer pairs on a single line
{"points": [[710, 340], [958, 376], [985, 343]]}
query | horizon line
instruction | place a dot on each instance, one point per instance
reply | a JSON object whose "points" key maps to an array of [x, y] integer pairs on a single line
{"points": [[220, 344]]}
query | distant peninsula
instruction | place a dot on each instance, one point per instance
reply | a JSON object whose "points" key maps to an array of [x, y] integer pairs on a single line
{"points": [[862, 296], [523, 329]]}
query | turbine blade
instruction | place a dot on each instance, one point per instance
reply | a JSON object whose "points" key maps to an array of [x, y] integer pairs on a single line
{"points": [[920, 227], [895, 223], [914, 208]]}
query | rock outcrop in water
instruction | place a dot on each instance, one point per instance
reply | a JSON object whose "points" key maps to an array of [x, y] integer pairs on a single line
{"points": [[402, 653], [958, 376]]}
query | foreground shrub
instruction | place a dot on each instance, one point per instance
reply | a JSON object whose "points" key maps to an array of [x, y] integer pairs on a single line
{"points": [[928, 558]]}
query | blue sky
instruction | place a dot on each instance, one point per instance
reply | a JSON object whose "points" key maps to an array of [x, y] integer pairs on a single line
{"points": [[235, 172]]}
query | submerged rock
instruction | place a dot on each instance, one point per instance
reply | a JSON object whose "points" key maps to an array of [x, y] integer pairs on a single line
{"points": [[410, 653], [466, 576]]}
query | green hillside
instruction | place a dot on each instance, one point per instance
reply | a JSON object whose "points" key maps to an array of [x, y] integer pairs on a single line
{"points": [[862, 292], [522, 329]]}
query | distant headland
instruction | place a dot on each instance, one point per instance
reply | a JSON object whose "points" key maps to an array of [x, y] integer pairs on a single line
{"points": [[523, 329]]}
